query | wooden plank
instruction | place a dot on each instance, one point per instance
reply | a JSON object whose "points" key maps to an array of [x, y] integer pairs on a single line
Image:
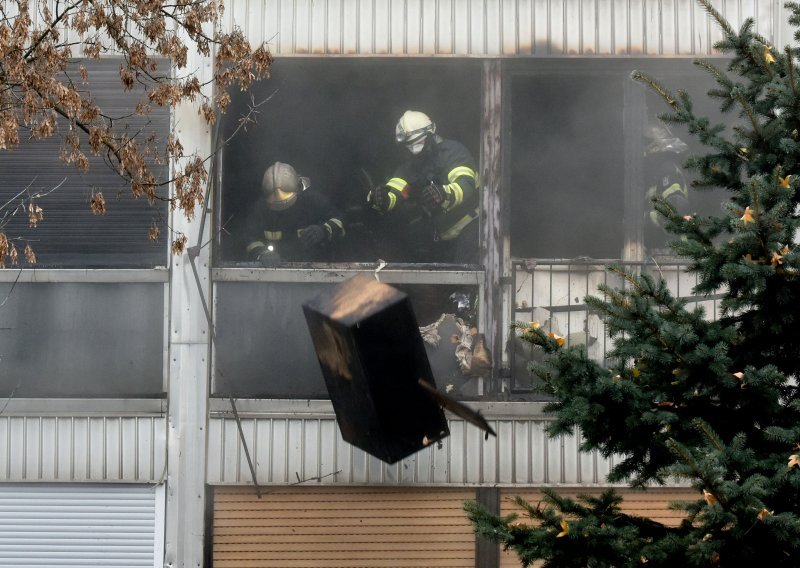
{"points": [[353, 543], [221, 532], [434, 522], [347, 555], [492, 203], [345, 563], [652, 503], [325, 508], [352, 548], [356, 514]]}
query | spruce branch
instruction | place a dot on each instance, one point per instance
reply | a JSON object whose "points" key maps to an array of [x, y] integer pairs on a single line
{"points": [[721, 21], [748, 110], [656, 86], [790, 71], [703, 427]]}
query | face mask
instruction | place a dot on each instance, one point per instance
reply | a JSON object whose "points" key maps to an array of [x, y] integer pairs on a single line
{"points": [[416, 147]]}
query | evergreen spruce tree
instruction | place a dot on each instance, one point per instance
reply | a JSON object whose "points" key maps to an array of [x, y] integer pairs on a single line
{"points": [[712, 403]]}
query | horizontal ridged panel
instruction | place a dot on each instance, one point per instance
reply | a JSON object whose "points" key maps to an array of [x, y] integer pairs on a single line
{"points": [[302, 527], [81, 448], [653, 504], [70, 234], [68, 35], [495, 27], [77, 525], [285, 450]]}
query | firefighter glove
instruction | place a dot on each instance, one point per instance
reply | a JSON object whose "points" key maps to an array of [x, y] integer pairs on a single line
{"points": [[269, 258], [312, 236], [381, 199], [434, 196]]}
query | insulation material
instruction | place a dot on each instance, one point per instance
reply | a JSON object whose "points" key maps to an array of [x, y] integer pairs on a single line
{"points": [[457, 353]]}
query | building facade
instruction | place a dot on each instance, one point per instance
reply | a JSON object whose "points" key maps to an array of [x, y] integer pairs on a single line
{"points": [[169, 410]]}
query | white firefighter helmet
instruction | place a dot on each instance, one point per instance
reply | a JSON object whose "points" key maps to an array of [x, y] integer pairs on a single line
{"points": [[413, 129], [281, 185]]}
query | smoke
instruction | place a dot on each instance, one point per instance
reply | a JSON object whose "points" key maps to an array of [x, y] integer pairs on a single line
{"points": [[333, 117], [567, 151]]}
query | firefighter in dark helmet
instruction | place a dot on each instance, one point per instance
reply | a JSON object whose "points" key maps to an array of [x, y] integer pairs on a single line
{"points": [[292, 223], [440, 184]]}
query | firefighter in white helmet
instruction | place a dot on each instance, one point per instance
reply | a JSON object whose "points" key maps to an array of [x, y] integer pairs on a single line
{"points": [[291, 223], [441, 179]]}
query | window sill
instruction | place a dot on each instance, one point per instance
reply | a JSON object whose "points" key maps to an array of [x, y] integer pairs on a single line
{"points": [[313, 409], [99, 275], [85, 406], [332, 273]]}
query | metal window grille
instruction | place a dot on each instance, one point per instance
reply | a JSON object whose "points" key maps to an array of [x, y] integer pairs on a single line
{"points": [[553, 292]]}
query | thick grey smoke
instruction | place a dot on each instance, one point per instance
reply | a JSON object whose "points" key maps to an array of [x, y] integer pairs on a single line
{"points": [[568, 157], [332, 118]]}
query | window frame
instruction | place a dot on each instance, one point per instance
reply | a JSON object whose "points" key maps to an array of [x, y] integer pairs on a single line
{"points": [[158, 275]]}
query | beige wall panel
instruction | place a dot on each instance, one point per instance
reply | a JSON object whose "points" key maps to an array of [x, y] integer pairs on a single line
{"points": [[653, 504], [305, 527]]}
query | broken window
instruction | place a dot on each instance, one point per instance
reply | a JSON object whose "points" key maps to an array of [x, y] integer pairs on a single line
{"points": [[333, 121], [586, 153], [264, 349]]}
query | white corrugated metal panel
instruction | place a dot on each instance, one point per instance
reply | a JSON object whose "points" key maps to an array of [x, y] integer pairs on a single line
{"points": [[69, 36], [82, 448], [287, 449], [77, 525], [495, 27]]}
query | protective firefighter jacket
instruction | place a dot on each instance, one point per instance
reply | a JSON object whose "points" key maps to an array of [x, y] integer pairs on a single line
{"points": [[666, 180], [450, 165], [281, 229]]}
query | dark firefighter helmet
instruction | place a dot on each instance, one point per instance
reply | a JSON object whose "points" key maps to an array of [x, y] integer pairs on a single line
{"points": [[281, 186]]}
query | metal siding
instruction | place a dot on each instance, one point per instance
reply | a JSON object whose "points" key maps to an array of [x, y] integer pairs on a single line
{"points": [[493, 28], [77, 525], [81, 448], [604, 31], [288, 449], [505, 467]]}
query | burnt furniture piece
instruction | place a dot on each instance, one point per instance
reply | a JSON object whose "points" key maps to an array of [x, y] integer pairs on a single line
{"points": [[371, 353], [376, 370]]}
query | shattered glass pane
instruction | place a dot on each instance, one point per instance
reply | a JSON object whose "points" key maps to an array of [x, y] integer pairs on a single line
{"points": [[267, 352]]}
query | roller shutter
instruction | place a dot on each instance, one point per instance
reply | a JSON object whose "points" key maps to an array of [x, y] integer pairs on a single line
{"points": [[302, 527], [77, 525], [652, 504], [70, 235]]}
